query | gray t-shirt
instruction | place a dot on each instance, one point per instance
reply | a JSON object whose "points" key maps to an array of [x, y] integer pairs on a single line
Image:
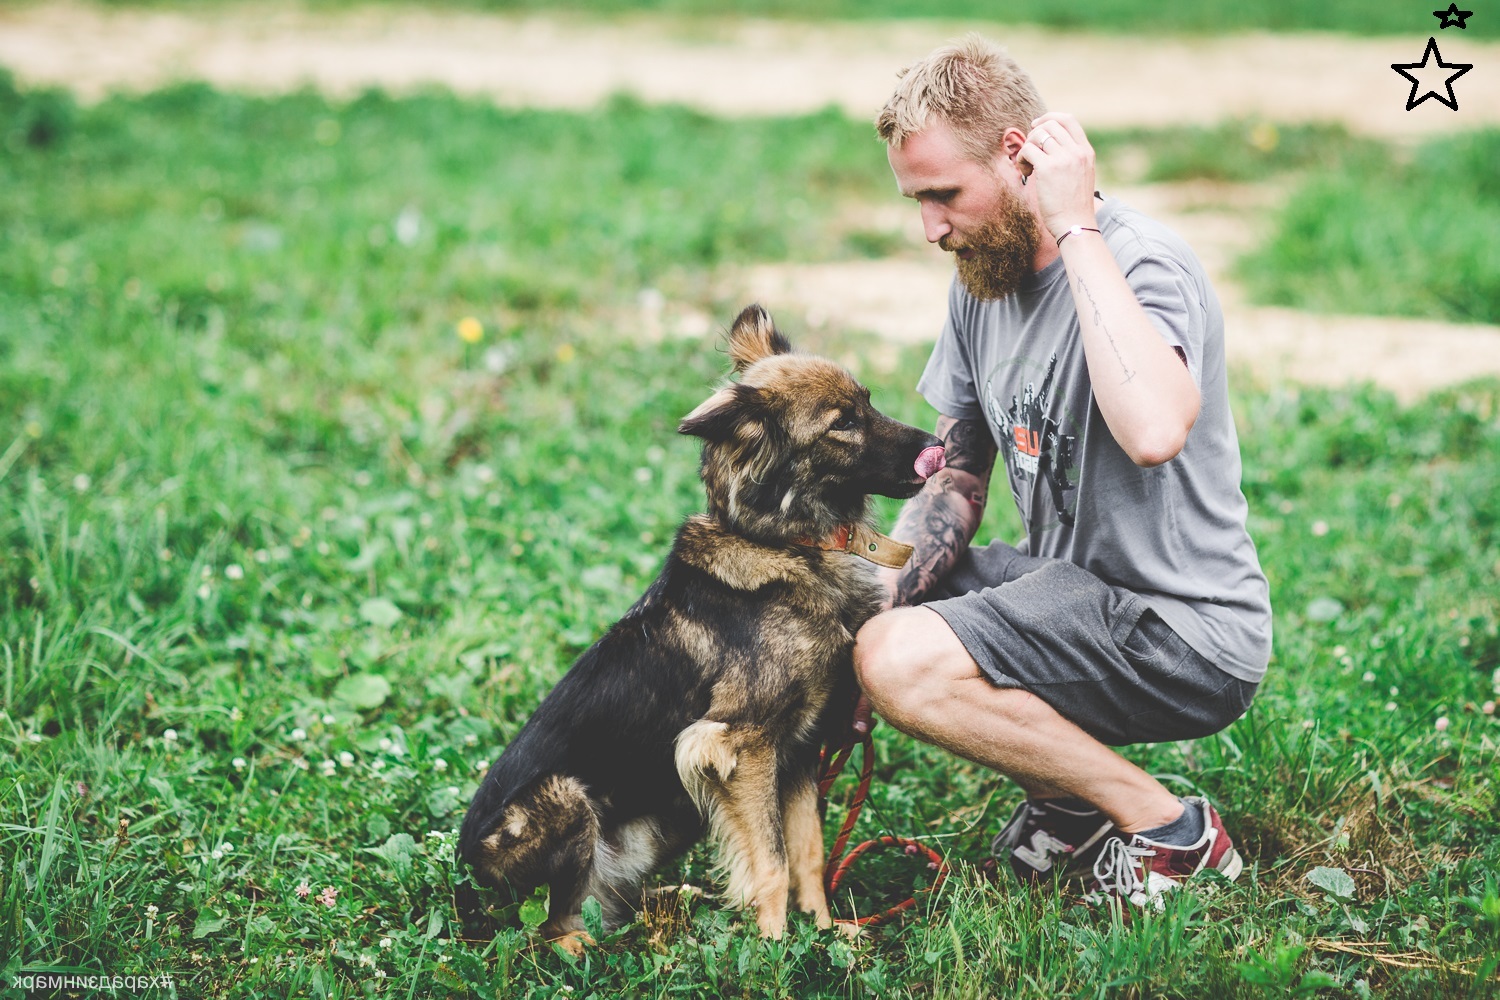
{"points": [[1174, 534]]}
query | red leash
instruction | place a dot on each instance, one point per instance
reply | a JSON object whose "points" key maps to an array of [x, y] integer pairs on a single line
{"points": [[833, 762]]}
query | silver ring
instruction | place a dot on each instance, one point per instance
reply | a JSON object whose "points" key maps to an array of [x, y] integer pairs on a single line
{"points": [[1046, 139]]}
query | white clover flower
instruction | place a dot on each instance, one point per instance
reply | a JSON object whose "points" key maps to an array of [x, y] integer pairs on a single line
{"points": [[1390, 706], [1395, 691], [470, 740], [151, 912], [262, 556], [440, 765], [1339, 651], [1488, 708], [377, 764], [385, 942], [1320, 528], [299, 734], [1441, 723], [205, 592], [346, 758], [1369, 677], [234, 571], [235, 715], [329, 767], [385, 744], [238, 763], [481, 766], [300, 763], [170, 735], [82, 482], [216, 854], [227, 847], [329, 718]]}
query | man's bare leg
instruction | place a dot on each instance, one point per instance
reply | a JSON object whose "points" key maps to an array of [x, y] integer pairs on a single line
{"points": [[921, 679]]}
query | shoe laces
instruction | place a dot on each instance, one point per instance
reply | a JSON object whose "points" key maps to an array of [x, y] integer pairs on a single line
{"points": [[1119, 865]]}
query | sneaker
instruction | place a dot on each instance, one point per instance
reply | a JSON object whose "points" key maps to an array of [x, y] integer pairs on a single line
{"points": [[1043, 839], [1140, 871]]}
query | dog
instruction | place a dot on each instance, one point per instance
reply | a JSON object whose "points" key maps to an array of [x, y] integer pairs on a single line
{"points": [[703, 709]]}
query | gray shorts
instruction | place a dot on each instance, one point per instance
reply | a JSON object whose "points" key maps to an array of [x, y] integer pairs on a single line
{"points": [[1094, 652]]}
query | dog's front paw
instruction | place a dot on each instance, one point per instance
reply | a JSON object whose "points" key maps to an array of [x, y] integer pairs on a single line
{"points": [[573, 942]]}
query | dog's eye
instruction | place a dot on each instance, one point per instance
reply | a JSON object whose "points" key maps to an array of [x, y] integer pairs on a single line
{"points": [[845, 422]]}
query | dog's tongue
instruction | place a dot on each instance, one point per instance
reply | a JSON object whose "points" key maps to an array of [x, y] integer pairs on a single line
{"points": [[930, 461]]}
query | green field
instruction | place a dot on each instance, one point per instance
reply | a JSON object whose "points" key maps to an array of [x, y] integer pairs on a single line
{"points": [[1361, 17], [284, 560]]}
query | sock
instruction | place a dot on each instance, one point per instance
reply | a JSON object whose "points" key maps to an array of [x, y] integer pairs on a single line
{"points": [[1184, 831]]}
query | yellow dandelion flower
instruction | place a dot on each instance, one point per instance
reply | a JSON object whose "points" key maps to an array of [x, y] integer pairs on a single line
{"points": [[566, 353], [470, 330]]}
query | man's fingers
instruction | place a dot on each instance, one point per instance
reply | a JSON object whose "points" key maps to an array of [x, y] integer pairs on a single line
{"points": [[1068, 123], [863, 722]]}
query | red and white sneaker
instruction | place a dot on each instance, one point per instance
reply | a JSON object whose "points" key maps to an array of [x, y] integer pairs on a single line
{"points": [[1139, 871], [1044, 839]]}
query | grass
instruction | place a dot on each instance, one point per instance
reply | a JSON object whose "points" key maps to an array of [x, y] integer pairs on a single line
{"points": [[1178, 17], [284, 560], [1407, 235]]}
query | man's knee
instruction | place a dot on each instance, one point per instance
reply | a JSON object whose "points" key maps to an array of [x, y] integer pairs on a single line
{"points": [[901, 658]]}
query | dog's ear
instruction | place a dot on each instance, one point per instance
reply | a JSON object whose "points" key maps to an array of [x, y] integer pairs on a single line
{"points": [[754, 336], [733, 410]]}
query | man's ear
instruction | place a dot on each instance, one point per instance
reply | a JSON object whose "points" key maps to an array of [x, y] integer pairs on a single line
{"points": [[1010, 145], [733, 410]]}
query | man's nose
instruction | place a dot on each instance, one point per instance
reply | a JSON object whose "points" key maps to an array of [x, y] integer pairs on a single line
{"points": [[934, 222]]}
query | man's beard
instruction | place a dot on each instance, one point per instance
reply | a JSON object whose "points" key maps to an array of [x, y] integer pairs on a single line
{"points": [[1004, 249]]}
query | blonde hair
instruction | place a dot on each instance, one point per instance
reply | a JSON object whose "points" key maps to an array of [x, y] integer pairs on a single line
{"points": [[975, 86]]}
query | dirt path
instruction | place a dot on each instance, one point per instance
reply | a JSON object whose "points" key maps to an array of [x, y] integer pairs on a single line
{"points": [[757, 67]]}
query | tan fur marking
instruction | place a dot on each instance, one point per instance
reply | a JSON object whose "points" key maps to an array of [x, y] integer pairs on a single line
{"points": [[740, 564], [704, 758], [804, 853], [752, 338]]}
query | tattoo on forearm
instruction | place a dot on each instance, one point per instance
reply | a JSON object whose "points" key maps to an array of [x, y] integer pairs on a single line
{"points": [[938, 530], [1098, 318], [940, 521], [968, 446]]}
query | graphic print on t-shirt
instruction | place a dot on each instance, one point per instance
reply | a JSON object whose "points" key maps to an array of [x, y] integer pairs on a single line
{"points": [[1040, 458]]}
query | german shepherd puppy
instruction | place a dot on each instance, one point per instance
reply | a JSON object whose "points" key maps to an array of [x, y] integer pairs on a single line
{"points": [[704, 707]]}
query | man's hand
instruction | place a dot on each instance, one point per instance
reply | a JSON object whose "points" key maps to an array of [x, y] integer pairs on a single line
{"points": [[1062, 168], [864, 719]]}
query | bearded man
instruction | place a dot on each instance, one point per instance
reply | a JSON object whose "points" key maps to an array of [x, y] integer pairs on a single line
{"points": [[1085, 347]]}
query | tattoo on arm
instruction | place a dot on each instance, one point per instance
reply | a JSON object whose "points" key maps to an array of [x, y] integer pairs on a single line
{"points": [[1099, 322], [940, 521]]}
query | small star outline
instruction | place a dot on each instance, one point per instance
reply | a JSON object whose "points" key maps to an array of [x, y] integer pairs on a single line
{"points": [[1458, 16], [1432, 50]]}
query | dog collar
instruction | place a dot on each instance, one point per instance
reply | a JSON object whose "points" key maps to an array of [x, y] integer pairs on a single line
{"points": [[865, 542]]}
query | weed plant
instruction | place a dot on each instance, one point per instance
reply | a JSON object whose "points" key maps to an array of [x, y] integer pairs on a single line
{"points": [[329, 436]]}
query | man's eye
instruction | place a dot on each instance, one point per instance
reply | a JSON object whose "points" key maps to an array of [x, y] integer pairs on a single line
{"points": [[845, 422]]}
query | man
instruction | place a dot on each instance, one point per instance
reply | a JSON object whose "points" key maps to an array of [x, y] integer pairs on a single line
{"points": [[1085, 348]]}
